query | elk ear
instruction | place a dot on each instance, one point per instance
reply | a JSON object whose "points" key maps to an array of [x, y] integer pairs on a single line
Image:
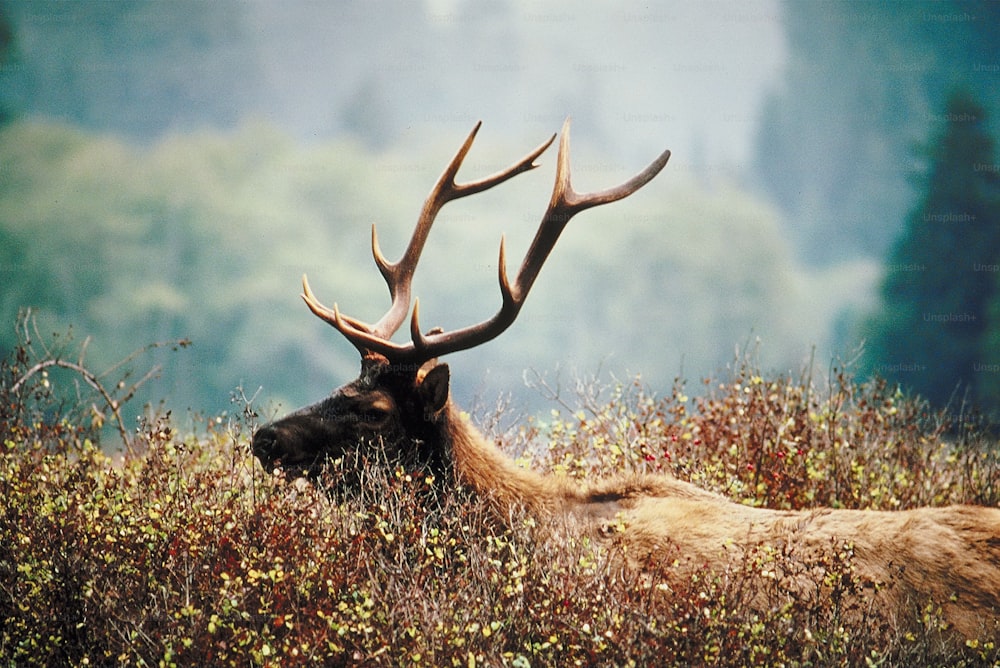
{"points": [[433, 388]]}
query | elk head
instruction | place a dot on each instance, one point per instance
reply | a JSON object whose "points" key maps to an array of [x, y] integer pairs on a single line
{"points": [[400, 403]]}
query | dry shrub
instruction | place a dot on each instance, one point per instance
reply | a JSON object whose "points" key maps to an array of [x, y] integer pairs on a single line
{"points": [[780, 443], [186, 553]]}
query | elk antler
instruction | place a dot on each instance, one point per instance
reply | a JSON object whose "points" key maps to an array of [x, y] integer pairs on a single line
{"points": [[399, 275], [564, 204]]}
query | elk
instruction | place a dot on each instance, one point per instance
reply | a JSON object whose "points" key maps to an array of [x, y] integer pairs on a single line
{"points": [[401, 401]]}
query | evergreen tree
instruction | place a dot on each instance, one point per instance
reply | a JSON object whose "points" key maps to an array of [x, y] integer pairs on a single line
{"points": [[862, 83], [941, 276]]}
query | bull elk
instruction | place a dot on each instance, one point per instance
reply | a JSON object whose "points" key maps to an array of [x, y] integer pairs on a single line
{"points": [[401, 402]]}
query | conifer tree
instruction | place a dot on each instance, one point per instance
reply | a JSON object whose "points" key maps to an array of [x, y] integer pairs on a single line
{"points": [[941, 276]]}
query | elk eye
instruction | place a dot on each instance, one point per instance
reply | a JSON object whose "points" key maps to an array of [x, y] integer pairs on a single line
{"points": [[377, 411]]}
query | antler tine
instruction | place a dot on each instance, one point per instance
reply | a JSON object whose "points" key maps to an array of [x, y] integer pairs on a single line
{"points": [[399, 275], [564, 204], [332, 316]]}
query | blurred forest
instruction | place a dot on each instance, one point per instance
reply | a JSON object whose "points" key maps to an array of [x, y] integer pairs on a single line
{"points": [[937, 331], [841, 139], [169, 170]]}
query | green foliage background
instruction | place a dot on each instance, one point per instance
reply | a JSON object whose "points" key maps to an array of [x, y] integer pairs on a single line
{"points": [[936, 329], [140, 202], [204, 237], [866, 82]]}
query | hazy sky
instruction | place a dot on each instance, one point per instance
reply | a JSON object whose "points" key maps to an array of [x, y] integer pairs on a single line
{"points": [[687, 74]]}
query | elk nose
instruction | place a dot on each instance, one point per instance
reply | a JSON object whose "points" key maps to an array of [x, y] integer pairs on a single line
{"points": [[265, 443]]}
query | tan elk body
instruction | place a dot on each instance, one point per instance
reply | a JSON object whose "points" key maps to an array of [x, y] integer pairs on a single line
{"points": [[905, 560]]}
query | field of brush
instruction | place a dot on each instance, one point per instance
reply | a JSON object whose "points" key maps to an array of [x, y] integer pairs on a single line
{"points": [[182, 551]]}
